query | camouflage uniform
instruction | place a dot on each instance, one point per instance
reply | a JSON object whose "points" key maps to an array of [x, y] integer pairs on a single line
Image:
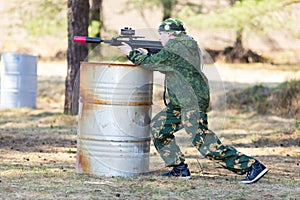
{"points": [[189, 97]]}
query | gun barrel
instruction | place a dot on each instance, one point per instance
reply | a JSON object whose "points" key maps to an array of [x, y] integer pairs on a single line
{"points": [[83, 39], [152, 46]]}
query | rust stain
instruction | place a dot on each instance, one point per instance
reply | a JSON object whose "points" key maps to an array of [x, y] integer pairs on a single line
{"points": [[86, 97], [105, 102], [104, 125], [83, 162]]}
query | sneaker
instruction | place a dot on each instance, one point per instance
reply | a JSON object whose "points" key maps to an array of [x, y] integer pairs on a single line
{"points": [[180, 170], [257, 171]]}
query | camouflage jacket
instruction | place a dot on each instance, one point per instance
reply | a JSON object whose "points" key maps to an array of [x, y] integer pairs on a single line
{"points": [[180, 61]]}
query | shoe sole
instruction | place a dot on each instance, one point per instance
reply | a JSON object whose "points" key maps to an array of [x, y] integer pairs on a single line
{"points": [[259, 176], [185, 177], [181, 177]]}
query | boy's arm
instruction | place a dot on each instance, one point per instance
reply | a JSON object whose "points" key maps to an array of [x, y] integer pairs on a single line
{"points": [[163, 61]]}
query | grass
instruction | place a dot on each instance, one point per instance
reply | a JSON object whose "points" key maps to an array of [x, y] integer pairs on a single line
{"points": [[38, 155], [49, 182], [281, 100], [265, 66]]}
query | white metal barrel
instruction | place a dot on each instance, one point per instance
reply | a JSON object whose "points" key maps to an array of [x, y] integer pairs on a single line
{"points": [[114, 119], [18, 80]]}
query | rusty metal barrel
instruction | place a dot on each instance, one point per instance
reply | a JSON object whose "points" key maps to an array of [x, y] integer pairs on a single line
{"points": [[114, 119]]}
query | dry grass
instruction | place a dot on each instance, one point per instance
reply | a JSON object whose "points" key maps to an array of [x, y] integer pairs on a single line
{"points": [[283, 100], [38, 146]]}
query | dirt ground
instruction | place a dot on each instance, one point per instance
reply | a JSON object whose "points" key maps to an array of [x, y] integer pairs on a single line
{"points": [[38, 155]]}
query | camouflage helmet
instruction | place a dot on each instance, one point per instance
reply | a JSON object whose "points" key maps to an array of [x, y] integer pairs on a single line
{"points": [[172, 25]]}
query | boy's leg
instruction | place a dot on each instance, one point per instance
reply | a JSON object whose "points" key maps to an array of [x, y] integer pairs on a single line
{"points": [[212, 148], [209, 145], [163, 127]]}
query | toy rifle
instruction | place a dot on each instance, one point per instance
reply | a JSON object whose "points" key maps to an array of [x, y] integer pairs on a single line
{"points": [[127, 36]]}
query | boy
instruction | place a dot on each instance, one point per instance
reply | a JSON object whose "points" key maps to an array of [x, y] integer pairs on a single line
{"points": [[189, 96]]}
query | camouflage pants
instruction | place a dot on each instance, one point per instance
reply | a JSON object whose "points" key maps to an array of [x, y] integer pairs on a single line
{"points": [[171, 120]]}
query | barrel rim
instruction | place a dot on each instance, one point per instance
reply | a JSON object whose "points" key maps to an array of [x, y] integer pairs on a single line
{"points": [[19, 54], [108, 64]]}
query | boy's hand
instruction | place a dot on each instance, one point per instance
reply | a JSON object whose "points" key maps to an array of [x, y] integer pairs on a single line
{"points": [[143, 51], [125, 48]]}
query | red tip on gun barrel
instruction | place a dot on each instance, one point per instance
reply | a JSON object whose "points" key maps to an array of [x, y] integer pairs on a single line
{"points": [[83, 39], [80, 39]]}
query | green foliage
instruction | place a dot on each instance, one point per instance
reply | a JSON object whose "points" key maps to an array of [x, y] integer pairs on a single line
{"points": [[243, 15], [297, 125], [176, 6], [140, 6], [41, 18], [94, 28]]}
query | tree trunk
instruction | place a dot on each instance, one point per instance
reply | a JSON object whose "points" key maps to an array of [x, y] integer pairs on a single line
{"points": [[95, 25], [236, 54], [167, 8], [239, 39], [96, 15], [232, 2], [239, 33], [78, 19], [95, 10]]}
